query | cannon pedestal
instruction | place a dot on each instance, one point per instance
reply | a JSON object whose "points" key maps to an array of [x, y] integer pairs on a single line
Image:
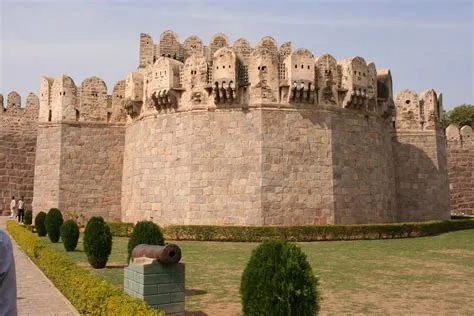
{"points": [[160, 285]]}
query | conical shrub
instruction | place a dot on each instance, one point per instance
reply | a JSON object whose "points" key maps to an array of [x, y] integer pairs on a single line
{"points": [[69, 235], [28, 217], [145, 232], [278, 281], [97, 242], [39, 224], [53, 222]]}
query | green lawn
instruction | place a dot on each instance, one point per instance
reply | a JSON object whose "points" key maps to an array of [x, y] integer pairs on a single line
{"points": [[431, 275]]}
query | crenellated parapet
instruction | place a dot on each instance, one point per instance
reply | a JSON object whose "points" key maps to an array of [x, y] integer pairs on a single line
{"points": [[13, 106], [413, 112], [460, 137], [174, 76], [62, 100]]}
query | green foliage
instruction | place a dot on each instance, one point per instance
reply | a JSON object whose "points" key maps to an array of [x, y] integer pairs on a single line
{"points": [[69, 234], [86, 291], [28, 217], [39, 224], [314, 232], [278, 280], [145, 232], [461, 115], [121, 229], [53, 222], [97, 242]]}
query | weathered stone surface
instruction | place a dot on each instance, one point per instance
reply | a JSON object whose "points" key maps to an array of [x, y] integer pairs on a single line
{"points": [[241, 136], [461, 167], [18, 128]]}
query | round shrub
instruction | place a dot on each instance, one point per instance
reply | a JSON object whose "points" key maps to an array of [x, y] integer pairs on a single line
{"points": [[278, 280], [28, 217], [97, 242], [53, 222], [39, 224], [69, 234], [145, 232]]}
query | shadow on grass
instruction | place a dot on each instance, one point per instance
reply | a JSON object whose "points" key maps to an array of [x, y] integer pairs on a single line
{"points": [[194, 292]]}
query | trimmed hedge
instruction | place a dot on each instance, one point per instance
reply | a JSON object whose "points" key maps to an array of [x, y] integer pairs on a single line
{"points": [[53, 222], [121, 229], [87, 292], [278, 280], [314, 232], [28, 219], [69, 234], [302, 233], [145, 232], [97, 242], [39, 224]]}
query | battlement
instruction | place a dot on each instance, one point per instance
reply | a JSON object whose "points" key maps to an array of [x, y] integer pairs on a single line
{"points": [[13, 106], [62, 100], [413, 112], [460, 137], [174, 76]]}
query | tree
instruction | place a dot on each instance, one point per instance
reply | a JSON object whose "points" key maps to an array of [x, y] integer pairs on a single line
{"points": [[461, 115]]}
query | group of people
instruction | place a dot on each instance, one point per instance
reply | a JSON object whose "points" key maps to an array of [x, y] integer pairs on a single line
{"points": [[17, 210]]}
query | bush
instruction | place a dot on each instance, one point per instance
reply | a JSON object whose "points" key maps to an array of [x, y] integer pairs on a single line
{"points": [[278, 280], [97, 242], [69, 235], [28, 217], [121, 229], [314, 232], [89, 294], [39, 224], [53, 222], [145, 232]]}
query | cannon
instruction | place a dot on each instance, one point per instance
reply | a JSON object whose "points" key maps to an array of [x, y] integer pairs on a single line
{"points": [[168, 254]]}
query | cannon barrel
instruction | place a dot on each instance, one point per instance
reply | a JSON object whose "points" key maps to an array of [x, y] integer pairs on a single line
{"points": [[169, 253]]}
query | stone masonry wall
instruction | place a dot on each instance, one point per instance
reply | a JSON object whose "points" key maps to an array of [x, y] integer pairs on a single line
{"points": [[363, 171], [421, 175], [91, 169], [79, 168], [262, 166], [17, 149], [461, 168], [47, 167], [193, 168]]}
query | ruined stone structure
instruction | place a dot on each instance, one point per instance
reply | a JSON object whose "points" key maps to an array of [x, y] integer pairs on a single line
{"points": [[18, 128], [239, 135], [461, 167]]}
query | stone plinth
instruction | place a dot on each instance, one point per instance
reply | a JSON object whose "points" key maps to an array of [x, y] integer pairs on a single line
{"points": [[159, 285]]}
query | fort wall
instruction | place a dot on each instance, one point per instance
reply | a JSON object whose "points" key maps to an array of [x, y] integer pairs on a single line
{"points": [[460, 149], [236, 135], [18, 128], [81, 136]]}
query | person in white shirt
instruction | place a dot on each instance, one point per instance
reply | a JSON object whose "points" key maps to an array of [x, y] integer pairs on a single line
{"points": [[8, 293], [21, 210], [12, 207]]}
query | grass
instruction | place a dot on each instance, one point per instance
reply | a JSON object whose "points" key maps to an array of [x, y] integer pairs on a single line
{"points": [[431, 275]]}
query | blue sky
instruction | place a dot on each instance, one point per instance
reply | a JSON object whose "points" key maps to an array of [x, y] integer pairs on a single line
{"points": [[426, 44]]}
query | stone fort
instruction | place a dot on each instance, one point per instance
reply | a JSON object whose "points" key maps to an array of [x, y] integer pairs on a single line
{"points": [[230, 134]]}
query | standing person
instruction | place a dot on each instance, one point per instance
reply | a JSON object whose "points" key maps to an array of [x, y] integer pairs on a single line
{"points": [[12, 207], [7, 277], [21, 210]]}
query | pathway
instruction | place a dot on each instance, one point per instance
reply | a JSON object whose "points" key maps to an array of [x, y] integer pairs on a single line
{"points": [[36, 293]]}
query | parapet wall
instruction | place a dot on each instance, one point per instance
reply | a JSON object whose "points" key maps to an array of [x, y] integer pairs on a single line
{"points": [[18, 128], [419, 148], [79, 158], [461, 167]]}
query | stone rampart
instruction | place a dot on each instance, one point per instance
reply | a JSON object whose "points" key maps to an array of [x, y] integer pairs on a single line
{"points": [[461, 168], [18, 128]]}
